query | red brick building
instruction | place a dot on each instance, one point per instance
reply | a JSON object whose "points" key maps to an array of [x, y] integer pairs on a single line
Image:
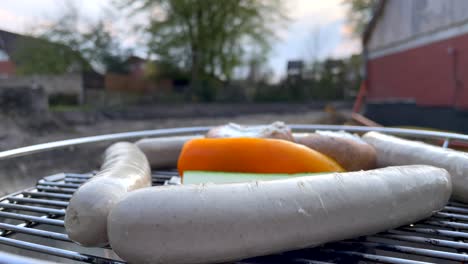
{"points": [[7, 69], [7, 46], [416, 55]]}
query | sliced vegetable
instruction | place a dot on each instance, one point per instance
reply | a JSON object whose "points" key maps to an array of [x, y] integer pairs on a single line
{"points": [[199, 177], [256, 155]]}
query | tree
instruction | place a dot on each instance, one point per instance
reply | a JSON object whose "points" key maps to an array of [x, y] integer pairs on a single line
{"points": [[360, 13], [37, 55], [100, 48], [210, 37], [70, 44]]}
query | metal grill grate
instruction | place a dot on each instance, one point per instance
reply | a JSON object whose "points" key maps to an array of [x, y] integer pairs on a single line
{"points": [[31, 221], [40, 211]]}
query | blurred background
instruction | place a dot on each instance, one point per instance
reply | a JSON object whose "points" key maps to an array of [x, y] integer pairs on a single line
{"points": [[78, 68]]}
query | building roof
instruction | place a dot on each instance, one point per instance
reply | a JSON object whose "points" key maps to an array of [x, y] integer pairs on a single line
{"points": [[8, 41], [378, 11]]}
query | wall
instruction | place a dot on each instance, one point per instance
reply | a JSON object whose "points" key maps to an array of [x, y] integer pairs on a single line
{"points": [[409, 114], [67, 84], [432, 73], [105, 98], [127, 83], [23, 100], [409, 24]]}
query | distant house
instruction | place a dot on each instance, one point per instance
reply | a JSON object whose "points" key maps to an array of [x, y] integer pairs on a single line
{"points": [[133, 81], [295, 69], [416, 57], [7, 69], [66, 87], [141, 79], [136, 67], [8, 40]]}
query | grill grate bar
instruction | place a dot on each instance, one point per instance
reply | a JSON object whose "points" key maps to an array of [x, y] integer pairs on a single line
{"points": [[158, 182], [50, 211], [38, 201], [457, 204], [56, 251], [451, 216], [79, 181], [78, 176], [48, 195], [163, 177], [440, 232], [168, 172], [55, 189], [30, 218], [34, 232], [425, 240], [65, 185], [456, 209], [411, 250], [305, 261], [371, 257], [448, 224]]}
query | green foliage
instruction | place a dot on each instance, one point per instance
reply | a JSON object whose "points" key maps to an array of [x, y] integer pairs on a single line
{"points": [[331, 79], [99, 47], [360, 13], [210, 37], [63, 99], [39, 56], [336, 78], [165, 70]]}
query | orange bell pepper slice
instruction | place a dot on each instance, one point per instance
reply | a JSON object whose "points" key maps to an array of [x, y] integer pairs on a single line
{"points": [[254, 155]]}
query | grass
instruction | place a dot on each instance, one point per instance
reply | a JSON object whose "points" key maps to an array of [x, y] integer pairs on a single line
{"points": [[66, 108]]}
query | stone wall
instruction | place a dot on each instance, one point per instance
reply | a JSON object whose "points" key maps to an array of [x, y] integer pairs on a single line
{"points": [[23, 100], [66, 84]]}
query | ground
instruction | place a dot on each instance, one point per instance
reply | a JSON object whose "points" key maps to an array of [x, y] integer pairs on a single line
{"points": [[19, 173]]}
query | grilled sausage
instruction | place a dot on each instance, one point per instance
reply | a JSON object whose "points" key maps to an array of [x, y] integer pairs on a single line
{"points": [[396, 151], [352, 154], [125, 168], [163, 152], [277, 130], [225, 222]]}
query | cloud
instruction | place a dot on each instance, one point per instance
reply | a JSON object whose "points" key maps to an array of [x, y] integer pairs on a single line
{"points": [[313, 21], [17, 23], [349, 44], [346, 48], [317, 12], [10, 21]]}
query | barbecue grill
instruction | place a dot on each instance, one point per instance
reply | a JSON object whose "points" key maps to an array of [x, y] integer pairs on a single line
{"points": [[31, 220]]}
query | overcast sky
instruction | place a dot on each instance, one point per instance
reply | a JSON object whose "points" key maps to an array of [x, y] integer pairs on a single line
{"points": [[317, 28]]}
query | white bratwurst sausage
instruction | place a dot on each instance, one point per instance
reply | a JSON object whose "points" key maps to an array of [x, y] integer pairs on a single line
{"points": [[225, 222], [393, 151], [163, 152], [125, 168]]}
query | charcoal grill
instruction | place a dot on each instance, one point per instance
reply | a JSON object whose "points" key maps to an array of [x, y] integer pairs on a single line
{"points": [[31, 220]]}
